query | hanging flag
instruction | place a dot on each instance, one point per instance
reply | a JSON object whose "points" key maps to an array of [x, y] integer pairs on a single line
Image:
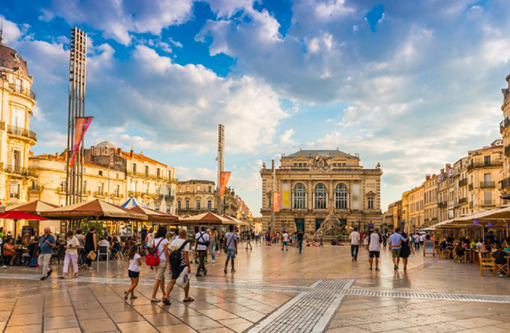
{"points": [[285, 196], [82, 124], [225, 176], [276, 201]]}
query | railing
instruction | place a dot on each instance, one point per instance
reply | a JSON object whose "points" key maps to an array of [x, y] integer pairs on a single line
{"points": [[504, 123], [463, 182], [20, 131], [488, 203], [462, 201], [35, 188], [17, 170], [485, 164], [443, 204], [505, 183], [487, 184], [23, 91], [151, 176]]}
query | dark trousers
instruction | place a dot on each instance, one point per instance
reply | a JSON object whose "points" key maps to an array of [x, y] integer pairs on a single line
{"points": [[417, 245], [202, 254], [354, 251], [300, 245]]}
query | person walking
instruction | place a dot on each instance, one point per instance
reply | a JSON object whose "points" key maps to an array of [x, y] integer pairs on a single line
{"points": [[300, 237], [161, 244], [285, 240], [202, 241], [354, 239], [213, 245], [90, 245], [135, 261], [46, 244], [230, 247], [71, 255], [416, 239], [406, 250], [248, 240], [374, 248], [181, 245], [395, 242], [81, 250]]}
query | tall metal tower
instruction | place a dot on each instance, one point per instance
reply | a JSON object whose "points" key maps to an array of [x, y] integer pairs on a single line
{"points": [[221, 165], [76, 108]]}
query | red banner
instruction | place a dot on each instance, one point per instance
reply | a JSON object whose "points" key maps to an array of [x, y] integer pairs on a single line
{"points": [[276, 201], [82, 124], [225, 176]]}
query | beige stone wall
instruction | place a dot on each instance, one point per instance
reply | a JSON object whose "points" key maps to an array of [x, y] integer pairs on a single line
{"points": [[193, 191]]}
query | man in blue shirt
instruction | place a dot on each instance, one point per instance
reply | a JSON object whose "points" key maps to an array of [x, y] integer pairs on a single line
{"points": [[46, 245], [395, 242]]}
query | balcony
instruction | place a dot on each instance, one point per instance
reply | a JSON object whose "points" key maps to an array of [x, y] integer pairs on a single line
{"points": [[34, 188], [471, 187], [493, 164], [19, 171], [488, 204], [21, 132], [22, 91], [462, 201], [442, 205], [463, 182], [487, 184], [504, 124], [505, 183]]}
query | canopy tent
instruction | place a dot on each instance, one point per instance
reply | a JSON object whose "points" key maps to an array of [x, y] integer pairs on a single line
{"points": [[154, 215], [35, 207], [206, 219], [17, 215], [95, 209], [131, 202], [238, 222]]}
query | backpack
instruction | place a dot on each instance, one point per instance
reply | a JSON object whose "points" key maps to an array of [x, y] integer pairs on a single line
{"points": [[152, 258], [176, 256], [201, 237]]}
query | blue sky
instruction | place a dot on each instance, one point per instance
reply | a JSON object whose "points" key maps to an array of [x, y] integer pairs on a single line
{"points": [[410, 84]]}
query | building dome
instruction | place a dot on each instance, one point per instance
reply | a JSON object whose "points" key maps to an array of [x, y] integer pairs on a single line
{"points": [[10, 59], [104, 144]]}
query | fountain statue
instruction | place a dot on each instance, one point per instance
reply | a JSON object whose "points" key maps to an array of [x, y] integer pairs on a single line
{"points": [[330, 228]]}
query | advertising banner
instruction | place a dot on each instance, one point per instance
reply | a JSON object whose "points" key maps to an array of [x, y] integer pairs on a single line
{"points": [[276, 201], [285, 204], [225, 176], [82, 124]]}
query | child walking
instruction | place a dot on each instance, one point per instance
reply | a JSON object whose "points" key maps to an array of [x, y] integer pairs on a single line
{"points": [[135, 261]]}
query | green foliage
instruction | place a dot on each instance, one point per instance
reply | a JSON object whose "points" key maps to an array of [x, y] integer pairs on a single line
{"points": [[99, 225]]}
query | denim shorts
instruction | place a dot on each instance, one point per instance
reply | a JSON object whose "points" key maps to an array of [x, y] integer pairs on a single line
{"points": [[231, 254]]}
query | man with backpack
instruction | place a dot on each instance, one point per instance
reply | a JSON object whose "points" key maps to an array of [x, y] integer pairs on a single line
{"points": [[230, 247], [179, 261], [202, 242]]}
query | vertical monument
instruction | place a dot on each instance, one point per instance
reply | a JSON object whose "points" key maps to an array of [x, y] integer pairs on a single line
{"points": [[76, 108], [221, 165]]}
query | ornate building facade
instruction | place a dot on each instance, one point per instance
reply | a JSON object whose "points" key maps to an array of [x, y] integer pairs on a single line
{"points": [[195, 197], [16, 103], [314, 182], [110, 174]]}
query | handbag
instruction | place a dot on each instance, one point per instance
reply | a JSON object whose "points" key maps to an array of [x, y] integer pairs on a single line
{"points": [[92, 255]]}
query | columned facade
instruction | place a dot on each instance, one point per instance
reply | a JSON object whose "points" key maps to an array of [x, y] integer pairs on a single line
{"points": [[312, 183]]}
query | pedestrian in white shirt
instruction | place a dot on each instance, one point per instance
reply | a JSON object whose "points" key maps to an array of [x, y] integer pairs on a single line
{"points": [[71, 255], [354, 239]]}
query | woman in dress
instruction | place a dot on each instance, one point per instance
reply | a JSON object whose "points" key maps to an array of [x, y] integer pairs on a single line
{"points": [[90, 245], [406, 250]]}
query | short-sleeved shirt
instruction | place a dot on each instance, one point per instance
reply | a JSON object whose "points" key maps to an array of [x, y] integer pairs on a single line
{"points": [[354, 238], [161, 247], [230, 240], [45, 248], [375, 242], [133, 263], [176, 244], [202, 237], [285, 237], [72, 242], [300, 236], [395, 239]]}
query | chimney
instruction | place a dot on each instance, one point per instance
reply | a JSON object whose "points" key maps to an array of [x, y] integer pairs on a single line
{"points": [[119, 151], [56, 154], [427, 177], [131, 153]]}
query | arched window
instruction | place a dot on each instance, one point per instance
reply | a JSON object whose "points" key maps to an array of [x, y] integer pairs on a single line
{"points": [[341, 196], [299, 196], [320, 196]]}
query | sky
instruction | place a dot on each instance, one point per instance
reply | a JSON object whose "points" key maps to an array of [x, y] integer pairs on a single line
{"points": [[410, 84]]}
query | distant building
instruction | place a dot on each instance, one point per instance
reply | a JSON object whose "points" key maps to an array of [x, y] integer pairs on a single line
{"points": [[195, 197], [314, 182]]}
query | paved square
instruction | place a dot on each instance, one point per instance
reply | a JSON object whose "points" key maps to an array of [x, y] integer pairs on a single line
{"points": [[321, 290]]}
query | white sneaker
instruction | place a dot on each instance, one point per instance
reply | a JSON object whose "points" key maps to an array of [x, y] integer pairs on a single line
{"points": [[213, 261]]}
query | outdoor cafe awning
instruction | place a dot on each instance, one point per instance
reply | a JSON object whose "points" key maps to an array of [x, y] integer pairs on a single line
{"points": [[237, 221], [95, 209], [154, 215], [35, 207], [206, 219]]}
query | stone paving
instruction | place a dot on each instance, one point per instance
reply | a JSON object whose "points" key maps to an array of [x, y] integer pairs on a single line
{"points": [[272, 291]]}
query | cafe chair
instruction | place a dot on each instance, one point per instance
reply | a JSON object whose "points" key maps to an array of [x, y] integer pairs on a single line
{"points": [[487, 263], [59, 254], [103, 251]]}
